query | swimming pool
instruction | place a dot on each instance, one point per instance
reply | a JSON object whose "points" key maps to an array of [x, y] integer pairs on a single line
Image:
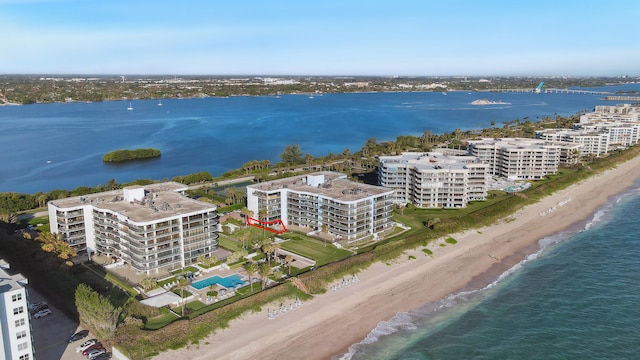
{"points": [[228, 281]]}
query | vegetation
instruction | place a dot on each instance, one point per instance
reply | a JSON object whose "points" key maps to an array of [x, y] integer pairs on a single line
{"points": [[128, 155], [97, 311]]}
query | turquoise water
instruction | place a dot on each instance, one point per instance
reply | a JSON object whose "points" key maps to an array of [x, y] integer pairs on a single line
{"points": [[60, 146], [578, 298], [227, 281]]}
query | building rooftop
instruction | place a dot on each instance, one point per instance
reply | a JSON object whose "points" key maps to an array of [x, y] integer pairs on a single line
{"points": [[9, 282], [522, 143], [431, 160], [141, 203], [326, 183]]}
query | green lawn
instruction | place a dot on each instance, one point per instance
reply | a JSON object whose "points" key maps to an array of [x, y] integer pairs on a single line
{"points": [[315, 249], [160, 321], [229, 243]]}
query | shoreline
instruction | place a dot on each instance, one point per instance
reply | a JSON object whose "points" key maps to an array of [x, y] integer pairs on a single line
{"points": [[331, 323]]}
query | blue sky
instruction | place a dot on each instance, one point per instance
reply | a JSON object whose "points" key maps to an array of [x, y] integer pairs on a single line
{"points": [[321, 37]]}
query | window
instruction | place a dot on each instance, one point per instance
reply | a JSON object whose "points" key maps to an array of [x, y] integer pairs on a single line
{"points": [[21, 334], [18, 310], [16, 297], [24, 357], [19, 322], [23, 346]]}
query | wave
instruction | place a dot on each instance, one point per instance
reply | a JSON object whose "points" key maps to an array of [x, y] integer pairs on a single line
{"points": [[409, 320]]}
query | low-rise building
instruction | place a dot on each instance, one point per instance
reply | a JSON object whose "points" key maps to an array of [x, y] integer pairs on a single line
{"points": [[434, 180], [323, 201], [151, 228], [15, 327]]}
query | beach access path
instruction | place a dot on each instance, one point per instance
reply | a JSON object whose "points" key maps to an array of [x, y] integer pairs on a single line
{"points": [[325, 326]]}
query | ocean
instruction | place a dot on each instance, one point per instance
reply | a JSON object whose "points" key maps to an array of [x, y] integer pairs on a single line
{"points": [[577, 298], [60, 146]]}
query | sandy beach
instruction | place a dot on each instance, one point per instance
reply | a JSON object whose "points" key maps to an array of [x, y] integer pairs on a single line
{"points": [[325, 327]]}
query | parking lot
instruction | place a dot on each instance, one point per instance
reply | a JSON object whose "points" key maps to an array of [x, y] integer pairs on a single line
{"points": [[51, 334]]}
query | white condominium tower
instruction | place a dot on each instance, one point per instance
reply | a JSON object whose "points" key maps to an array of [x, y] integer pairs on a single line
{"points": [[523, 158], [15, 327], [434, 180], [323, 201], [151, 228]]}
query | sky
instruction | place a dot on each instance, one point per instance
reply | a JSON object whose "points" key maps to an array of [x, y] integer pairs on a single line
{"points": [[321, 37]]}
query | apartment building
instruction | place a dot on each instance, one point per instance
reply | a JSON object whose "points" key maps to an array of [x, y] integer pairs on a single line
{"points": [[612, 113], [522, 158], [151, 228], [324, 201], [434, 180], [619, 134], [593, 142], [15, 327]]}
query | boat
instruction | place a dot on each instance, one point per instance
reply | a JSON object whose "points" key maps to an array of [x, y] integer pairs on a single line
{"points": [[159, 102], [130, 107]]}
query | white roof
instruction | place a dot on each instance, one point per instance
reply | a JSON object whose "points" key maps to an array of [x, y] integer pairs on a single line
{"points": [[163, 299]]}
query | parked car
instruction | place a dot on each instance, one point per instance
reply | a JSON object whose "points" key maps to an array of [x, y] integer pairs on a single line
{"points": [[104, 356], [38, 308], [96, 346], [79, 335], [42, 313], [85, 345], [95, 353], [34, 305]]}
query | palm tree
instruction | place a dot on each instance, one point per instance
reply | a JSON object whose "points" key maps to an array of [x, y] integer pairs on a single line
{"points": [[250, 268], [182, 284], [245, 214], [112, 184], [274, 248], [288, 260], [262, 215], [264, 271], [243, 236], [266, 249]]}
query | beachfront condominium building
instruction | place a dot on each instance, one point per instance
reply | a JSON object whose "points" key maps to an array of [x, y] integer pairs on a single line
{"points": [[619, 134], [15, 327], [151, 228], [434, 180], [523, 158], [324, 201], [621, 123], [612, 113], [593, 142]]}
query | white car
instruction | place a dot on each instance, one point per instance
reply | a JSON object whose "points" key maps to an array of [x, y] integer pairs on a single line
{"points": [[82, 347], [42, 313], [95, 353]]}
